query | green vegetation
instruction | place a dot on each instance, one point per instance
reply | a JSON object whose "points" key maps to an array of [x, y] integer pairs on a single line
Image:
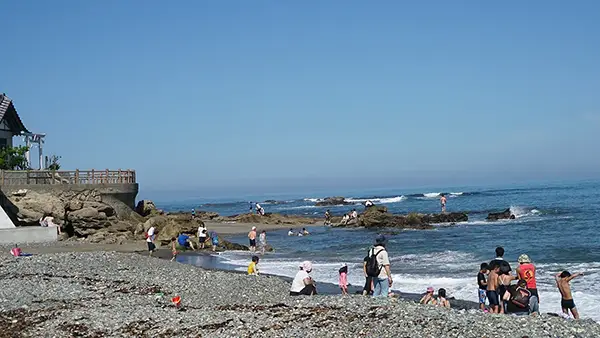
{"points": [[13, 158], [53, 163]]}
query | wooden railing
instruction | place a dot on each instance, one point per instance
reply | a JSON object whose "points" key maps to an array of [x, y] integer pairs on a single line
{"points": [[20, 177]]}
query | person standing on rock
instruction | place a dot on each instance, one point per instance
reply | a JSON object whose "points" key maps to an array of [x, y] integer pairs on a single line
{"points": [[378, 267], [252, 239], [150, 236], [443, 203], [193, 213], [327, 218]]}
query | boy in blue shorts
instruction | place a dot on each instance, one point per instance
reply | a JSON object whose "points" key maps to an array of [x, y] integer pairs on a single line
{"points": [[482, 283]]}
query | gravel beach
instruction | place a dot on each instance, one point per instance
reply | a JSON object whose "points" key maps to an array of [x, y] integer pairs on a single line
{"points": [[112, 294]]}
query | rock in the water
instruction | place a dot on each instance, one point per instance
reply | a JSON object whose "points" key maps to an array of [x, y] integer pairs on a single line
{"points": [[145, 207], [506, 214], [378, 216], [206, 215], [338, 200]]}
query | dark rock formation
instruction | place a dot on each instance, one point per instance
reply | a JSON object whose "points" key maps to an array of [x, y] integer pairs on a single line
{"points": [[145, 207], [332, 201], [506, 214], [378, 216]]}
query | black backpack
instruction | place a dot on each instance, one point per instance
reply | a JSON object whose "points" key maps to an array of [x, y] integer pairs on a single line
{"points": [[520, 298], [373, 268]]}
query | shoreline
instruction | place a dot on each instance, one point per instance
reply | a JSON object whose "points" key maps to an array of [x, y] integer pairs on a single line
{"points": [[112, 294], [242, 228]]}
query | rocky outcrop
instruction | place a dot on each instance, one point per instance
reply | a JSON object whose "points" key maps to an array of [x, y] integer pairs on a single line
{"points": [[145, 208], [332, 201], [378, 216], [267, 218], [506, 214]]}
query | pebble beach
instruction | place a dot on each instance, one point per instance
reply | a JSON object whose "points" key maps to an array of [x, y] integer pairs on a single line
{"points": [[116, 294]]}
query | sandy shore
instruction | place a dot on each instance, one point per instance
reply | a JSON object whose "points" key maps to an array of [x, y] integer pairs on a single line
{"points": [[119, 294]]}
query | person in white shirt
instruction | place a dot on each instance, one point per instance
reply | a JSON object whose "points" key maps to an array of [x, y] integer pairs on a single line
{"points": [[258, 207], [291, 232], [150, 236], [202, 234], [354, 214], [368, 203], [48, 221], [303, 284]]}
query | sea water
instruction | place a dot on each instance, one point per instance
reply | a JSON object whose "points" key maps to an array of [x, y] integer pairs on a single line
{"points": [[556, 225]]}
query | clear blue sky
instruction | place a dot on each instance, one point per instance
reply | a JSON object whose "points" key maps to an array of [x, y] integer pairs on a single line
{"points": [[260, 96]]}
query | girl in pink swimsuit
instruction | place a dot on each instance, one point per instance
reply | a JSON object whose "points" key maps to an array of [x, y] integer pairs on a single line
{"points": [[344, 279]]}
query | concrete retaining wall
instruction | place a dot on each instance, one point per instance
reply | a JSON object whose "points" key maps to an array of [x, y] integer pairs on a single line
{"points": [[28, 235]]}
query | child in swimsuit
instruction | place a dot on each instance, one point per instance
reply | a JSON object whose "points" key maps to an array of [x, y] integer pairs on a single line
{"points": [[567, 303], [428, 298]]}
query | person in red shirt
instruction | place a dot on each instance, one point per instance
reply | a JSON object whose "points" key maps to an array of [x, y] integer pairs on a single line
{"points": [[526, 271]]}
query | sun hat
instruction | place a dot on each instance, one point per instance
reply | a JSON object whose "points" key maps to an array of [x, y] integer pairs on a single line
{"points": [[430, 289], [253, 228], [306, 266], [524, 259], [380, 239]]}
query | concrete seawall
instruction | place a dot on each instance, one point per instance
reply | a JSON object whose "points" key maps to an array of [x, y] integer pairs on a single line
{"points": [[33, 234]]}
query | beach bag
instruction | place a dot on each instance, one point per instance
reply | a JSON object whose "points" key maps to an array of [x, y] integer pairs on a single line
{"points": [[16, 252], [520, 298], [145, 235], [373, 268]]}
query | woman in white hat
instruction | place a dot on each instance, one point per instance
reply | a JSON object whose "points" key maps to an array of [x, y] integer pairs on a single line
{"points": [[526, 271], [303, 284]]}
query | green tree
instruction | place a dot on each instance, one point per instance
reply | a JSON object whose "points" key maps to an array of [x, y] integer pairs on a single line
{"points": [[53, 163], [13, 158]]}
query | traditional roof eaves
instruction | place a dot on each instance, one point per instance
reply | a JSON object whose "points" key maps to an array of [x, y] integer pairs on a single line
{"points": [[7, 109]]}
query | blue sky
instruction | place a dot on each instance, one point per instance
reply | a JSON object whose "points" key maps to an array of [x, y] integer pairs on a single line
{"points": [[261, 96]]}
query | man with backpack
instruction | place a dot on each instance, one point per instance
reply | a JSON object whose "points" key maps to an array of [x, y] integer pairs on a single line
{"points": [[378, 267], [517, 299]]}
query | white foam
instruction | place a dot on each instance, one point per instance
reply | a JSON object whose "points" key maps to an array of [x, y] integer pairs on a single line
{"points": [[432, 194], [313, 200], [387, 200], [456, 193]]}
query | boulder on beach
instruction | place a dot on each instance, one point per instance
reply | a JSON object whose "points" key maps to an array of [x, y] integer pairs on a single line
{"points": [[506, 214], [338, 200], [145, 207]]}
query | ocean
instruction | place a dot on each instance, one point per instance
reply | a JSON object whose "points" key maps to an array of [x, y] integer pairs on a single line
{"points": [[556, 225]]}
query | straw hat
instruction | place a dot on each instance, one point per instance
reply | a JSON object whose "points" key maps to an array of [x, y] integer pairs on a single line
{"points": [[524, 259]]}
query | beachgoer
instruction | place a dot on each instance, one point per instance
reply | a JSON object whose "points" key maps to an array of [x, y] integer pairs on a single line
{"points": [[193, 213], [368, 288], [345, 219], [517, 299], [441, 298], [150, 236], [251, 207], [262, 240], [291, 232], [252, 239], [354, 214], [492, 287], [482, 283], [303, 284], [215, 240], [202, 234], [173, 248], [343, 280], [368, 204], [379, 260], [305, 232], [566, 303], [48, 221], [526, 270], [443, 203], [504, 265], [327, 218], [258, 207], [261, 211], [429, 298], [184, 241], [504, 283], [252, 268]]}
